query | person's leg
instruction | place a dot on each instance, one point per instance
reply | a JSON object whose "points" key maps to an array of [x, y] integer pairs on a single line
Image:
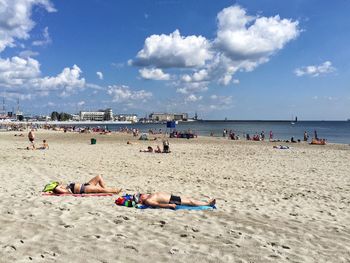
{"points": [[98, 180], [193, 202], [89, 189]]}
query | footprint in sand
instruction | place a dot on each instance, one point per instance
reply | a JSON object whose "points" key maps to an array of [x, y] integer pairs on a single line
{"points": [[131, 247], [9, 248], [173, 250]]}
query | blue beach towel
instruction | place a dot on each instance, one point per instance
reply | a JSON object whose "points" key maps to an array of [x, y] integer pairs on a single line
{"points": [[182, 207], [128, 200]]}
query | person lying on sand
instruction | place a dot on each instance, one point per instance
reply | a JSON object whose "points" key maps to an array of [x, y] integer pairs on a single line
{"points": [[281, 147], [44, 146], [166, 200], [149, 150], [158, 150], [95, 185]]}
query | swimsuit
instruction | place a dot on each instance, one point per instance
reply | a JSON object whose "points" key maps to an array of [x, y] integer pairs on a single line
{"points": [[175, 200], [71, 186], [82, 188]]}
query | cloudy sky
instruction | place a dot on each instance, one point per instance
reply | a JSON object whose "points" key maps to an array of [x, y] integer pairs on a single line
{"points": [[266, 59]]}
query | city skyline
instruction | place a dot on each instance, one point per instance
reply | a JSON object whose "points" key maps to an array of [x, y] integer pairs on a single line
{"points": [[227, 59]]}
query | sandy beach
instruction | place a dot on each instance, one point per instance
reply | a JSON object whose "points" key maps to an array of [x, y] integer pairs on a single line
{"points": [[272, 205]]}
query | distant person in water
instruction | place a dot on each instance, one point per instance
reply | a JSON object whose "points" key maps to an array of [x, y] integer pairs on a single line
{"points": [[166, 200], [95, 185], [306, 136]]}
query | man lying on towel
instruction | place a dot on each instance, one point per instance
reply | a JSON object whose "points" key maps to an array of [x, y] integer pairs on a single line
{"points": [[166, 200], [95, 185]]}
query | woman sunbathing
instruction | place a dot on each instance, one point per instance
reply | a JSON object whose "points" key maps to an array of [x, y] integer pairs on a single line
{"points": [[95, 185]]}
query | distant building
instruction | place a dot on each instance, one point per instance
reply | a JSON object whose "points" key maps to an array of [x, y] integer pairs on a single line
{"points": [[100, 115], [168, 116], [75, 117], [126, 117], [43, 118]]}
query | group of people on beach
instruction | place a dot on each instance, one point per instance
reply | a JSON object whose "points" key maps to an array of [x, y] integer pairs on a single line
{"points": [[166, 148], [157, 199], [261, 137], [31, 138]]}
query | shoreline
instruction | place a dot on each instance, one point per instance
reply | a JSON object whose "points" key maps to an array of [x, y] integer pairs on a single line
{"points": [[203, 137]]}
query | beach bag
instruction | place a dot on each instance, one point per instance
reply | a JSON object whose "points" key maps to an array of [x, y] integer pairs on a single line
{"points": [[125, 200], [50, 186]]}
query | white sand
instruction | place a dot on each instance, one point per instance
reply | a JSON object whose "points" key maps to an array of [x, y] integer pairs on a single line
{"points": [[273, 205]]}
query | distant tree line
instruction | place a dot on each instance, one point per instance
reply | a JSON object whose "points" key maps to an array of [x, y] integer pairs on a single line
{"points": [[55, 116]]}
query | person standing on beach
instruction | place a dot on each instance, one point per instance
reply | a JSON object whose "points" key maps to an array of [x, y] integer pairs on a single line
{"points": [[31, 137], [306, 136], [271, 135], [262, 135]]}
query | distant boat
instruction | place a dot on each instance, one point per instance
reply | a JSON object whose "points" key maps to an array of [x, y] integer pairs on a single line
{"points": [[295, 121]]}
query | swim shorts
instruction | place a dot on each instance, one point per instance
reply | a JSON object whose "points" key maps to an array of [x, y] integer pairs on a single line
{"points": [[175, 200]]}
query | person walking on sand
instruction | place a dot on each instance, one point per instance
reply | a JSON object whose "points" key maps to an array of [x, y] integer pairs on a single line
{"points": [[166, 200], [31, 137]]}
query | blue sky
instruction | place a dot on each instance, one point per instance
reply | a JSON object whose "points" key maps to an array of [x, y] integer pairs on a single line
{"points": [[222, 59]]}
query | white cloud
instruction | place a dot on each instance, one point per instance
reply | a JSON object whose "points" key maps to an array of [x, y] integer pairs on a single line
{"points": [[81, 103], [68, 80], [191, 87], [242, 43], [94, 87], [314, 70], [23, 75], [99, 74], [28, 53], [173, 50], [154, 73], [125, 94], [199, 76], [15, 21], [225, 79], [18, 71], [243, 37], [193, 98], [46, 39]]}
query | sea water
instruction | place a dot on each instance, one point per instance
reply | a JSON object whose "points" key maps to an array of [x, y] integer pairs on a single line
{"points": [[332, 131]]}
